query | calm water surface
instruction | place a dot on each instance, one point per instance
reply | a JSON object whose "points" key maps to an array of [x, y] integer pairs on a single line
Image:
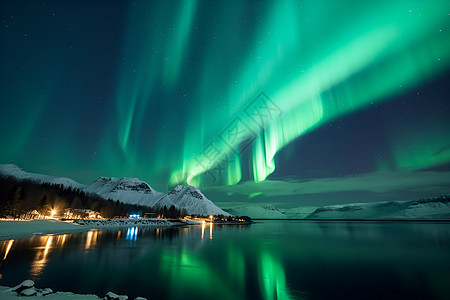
{"points": [[269, 260]]}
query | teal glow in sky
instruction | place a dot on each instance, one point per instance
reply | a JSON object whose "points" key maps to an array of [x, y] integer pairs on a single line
{"points": [[230, 96]]}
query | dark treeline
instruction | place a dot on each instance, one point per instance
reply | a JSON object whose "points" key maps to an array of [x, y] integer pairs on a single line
{"points": [[18, 198], [171, 212]]}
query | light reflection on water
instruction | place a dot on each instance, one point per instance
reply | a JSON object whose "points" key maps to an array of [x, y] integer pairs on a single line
{"points": [[7, 245], [203, 229], [210, 230], [40, 260], [91, 238], [132, 233], [61, 239], [273, 260]]}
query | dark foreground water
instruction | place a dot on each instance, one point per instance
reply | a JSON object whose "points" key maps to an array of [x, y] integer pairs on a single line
{"points": [[270, 260]]}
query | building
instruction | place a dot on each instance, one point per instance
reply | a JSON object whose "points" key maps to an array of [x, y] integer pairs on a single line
{"points": [[150, 215], [81, 213]]}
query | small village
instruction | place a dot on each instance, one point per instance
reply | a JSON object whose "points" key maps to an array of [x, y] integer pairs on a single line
{"points": [[81, 215]]}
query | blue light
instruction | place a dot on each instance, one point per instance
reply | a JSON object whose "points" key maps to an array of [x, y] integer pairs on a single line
{"points": [[132, 233], [135, 216]]}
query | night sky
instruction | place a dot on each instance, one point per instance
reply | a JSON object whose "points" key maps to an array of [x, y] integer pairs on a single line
{"points": [[286, 102]]}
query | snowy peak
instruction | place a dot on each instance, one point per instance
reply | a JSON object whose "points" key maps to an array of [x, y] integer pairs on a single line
{"points": [[176, 190], [192, 199], [112, 184], [16, 172], [103, 180], [271, 207], [10, 169], [442, 199], [140, 186], [188, 190], [195, 192], [257, 212], [124, 184], [127, 190], [429, 208]]}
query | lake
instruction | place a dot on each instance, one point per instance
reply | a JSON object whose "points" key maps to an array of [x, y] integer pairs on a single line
{"points": [[268, 260]]}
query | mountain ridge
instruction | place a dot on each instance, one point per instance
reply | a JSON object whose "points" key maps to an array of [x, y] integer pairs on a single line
{"points": [[138, 192], [127, 190], [425, 208]]}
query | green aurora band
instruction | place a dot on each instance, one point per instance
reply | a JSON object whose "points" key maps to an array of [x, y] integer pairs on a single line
{"points": [[188, 71], [387, 52]]}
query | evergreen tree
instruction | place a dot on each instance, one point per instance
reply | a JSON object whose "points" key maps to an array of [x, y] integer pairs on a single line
{"points": [[44, 207]]}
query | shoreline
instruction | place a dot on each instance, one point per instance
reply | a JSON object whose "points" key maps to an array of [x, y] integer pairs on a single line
{"points": [[6, 294], [28, 290], [26, 229]]}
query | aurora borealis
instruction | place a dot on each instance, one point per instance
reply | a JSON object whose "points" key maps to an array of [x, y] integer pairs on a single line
{"points": [[297, 102]]}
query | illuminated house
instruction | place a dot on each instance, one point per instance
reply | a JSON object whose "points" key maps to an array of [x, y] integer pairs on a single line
{"points": [[81, 213], [34, 214]]}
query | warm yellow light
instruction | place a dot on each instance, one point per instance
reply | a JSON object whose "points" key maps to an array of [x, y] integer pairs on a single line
{"points": [[10, 243], [203, 229], [210, 230], [53, 212]]}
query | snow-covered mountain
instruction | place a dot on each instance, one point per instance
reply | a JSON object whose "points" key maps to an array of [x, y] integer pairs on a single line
{"points": [[300, 212], [430, 208], [192, 199], [129, 190], [135, 191], [257, 212], [15, 171]]}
